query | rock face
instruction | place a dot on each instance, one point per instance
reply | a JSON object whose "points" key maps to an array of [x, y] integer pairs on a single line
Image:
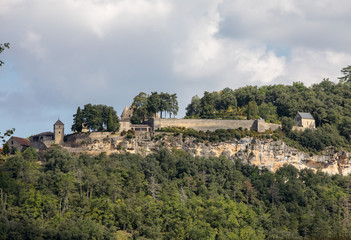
{"points": [[262, 153]]}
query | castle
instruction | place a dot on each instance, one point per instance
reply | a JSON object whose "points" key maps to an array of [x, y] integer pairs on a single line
{"points": [[156, 123], [40, 141], [45, 140]]}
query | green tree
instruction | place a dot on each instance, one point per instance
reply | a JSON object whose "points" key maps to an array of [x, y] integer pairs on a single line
{"points": [[2, 48], [153, 104], [173, 109], [164, 105], [97, 118], [252, 110], [194, 107], [347, 74], [227, 99], [78, 121], [287, 124], [268, 112], [208, 105], [139, 105]]}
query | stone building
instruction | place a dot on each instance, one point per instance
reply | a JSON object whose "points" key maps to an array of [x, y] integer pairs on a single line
{"points": [[46, 139], [59, 132], [126, 125], [304, 120], [17, 143], [42, 140]]}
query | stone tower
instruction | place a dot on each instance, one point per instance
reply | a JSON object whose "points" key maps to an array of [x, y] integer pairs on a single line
{"points": [[59, 132]]}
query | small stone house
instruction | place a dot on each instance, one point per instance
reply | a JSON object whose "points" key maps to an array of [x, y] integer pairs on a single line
{"points": [[17, 143], [304, 120]]}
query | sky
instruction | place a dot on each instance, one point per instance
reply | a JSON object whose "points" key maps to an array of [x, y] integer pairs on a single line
{"points": [[68, 53]]}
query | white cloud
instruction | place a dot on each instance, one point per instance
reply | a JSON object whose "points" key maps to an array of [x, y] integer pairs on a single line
{"points": [[34, 45], [105, 16], [311, 66]]}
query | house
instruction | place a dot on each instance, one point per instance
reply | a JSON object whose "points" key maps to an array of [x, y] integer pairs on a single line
{"points": [[17, 143], [42, 140], [305, 120]]}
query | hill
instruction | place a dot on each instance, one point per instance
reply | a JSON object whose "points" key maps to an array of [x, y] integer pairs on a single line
{"points": [[166, 195]]}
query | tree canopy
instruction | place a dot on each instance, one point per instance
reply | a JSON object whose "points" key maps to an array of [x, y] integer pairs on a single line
{"points": [[146, 106], [2, 48], [95, 118], [166, 195], [328, 102]]}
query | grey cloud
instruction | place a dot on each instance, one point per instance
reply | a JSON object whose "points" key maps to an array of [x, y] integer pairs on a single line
{"points": [[312, 24]]}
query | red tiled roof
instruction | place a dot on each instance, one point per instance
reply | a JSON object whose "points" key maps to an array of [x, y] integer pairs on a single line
{"points": [[22, 141]]}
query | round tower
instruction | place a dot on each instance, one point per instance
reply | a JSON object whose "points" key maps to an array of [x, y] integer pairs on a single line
{"points": [[59, 132]]}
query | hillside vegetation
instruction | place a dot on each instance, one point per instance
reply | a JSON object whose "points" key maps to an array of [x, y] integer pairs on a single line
{"points": [[328, 102], [166, 195]]}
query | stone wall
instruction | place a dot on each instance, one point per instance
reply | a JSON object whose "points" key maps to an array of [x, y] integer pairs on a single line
{"points": [[308, 123], [76, 140], [14, 144], [124, 125], [214, 124], [261, 126], [202, 124]]}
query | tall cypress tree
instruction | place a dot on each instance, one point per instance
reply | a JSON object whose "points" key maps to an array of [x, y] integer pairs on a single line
{"points": [[78, 121]]}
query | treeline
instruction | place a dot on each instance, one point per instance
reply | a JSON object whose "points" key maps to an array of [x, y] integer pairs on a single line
{"points": [[328, 102], [146, 106], [166, 195], [95, 118], [242, 103]]}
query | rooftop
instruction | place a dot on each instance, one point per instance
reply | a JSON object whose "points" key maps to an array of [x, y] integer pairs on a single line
{"points": [[305, 115], [58, 122], [22, 141]]}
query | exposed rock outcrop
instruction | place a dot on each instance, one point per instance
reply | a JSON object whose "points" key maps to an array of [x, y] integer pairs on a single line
{"points": [[262, 153]]}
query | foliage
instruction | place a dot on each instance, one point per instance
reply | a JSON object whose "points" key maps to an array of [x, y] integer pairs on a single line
{"points": [[96, 118], [146, 106], [166, 195], [219, 135], [347, 74], [2, 48], [287, 124], [7, 133], [328, 102]]}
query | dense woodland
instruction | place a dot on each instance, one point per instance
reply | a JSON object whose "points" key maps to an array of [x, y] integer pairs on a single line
{"points": [[166, 195]]}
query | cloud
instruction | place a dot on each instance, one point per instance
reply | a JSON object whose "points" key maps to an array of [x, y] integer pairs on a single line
{"points": [[68, 53]]}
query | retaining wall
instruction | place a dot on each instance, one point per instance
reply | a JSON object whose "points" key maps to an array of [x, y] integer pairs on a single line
{"points": [[213, 124]]}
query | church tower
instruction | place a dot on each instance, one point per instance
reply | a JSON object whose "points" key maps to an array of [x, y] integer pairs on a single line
{"points": [[59, 132]]}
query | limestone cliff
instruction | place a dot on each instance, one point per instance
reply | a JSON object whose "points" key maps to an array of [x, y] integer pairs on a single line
{"points": [[262, 153]]}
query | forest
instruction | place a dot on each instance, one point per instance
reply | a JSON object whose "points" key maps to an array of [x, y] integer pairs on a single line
{"points": [[166, 195], [328, 102]]}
